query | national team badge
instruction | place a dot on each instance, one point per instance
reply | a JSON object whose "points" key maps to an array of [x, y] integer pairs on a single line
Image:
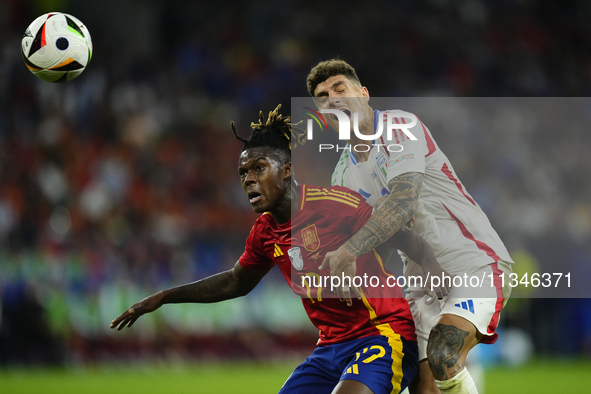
{"points": [[295, 255], [310, 238]]}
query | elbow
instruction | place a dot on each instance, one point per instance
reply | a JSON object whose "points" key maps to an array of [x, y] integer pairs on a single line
{"points": [[241, 287], [241, 291]]}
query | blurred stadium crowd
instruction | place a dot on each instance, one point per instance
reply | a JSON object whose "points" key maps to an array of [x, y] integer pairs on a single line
{"points": [[124, 181]]}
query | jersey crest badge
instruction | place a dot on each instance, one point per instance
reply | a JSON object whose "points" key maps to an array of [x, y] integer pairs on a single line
{"points": [[310, 238], [400, 159], [295, 256]]}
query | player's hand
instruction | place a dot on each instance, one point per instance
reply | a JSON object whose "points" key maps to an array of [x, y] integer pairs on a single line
{"points": [[342, 264], [147, 305], [443, 287], [411, 222]]}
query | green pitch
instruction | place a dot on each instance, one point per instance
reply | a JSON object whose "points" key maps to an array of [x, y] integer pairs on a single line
{"points": [[541, 377], [214, 378], [547, 376]]}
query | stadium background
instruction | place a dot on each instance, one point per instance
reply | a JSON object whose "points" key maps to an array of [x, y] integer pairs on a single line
{"points": [[124, 181]]}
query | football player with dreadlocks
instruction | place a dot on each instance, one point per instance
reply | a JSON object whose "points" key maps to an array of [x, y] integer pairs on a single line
{"points": [[368, 346]]}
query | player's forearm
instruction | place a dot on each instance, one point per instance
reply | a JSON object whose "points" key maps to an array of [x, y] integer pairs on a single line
{"points": [[419, 251], [394, 213], [218, 287], [385, 222]]}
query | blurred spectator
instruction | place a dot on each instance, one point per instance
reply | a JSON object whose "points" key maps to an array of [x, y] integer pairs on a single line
{"points": [[25, 333]]}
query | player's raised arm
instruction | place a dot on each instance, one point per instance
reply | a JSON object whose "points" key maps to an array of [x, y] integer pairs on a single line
{"points": [[229, 284], [392, 214], [390, 217]]}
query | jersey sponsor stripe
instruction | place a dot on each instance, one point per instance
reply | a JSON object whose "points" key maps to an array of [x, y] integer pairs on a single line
{"points": [[445, 169], [333, 199], [466, 233]]}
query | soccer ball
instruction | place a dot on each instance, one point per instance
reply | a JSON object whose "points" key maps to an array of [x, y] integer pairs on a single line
{"points": [[56, 47]]}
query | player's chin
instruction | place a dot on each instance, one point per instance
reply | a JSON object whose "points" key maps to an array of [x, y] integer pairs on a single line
{"points": [[258, 207]]}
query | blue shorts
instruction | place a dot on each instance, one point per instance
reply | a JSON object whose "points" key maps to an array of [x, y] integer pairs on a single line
{"points": [[384, 364]]}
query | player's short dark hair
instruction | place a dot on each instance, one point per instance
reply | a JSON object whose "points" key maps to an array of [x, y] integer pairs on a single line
{"points": [[329, 68], [275, 132]]}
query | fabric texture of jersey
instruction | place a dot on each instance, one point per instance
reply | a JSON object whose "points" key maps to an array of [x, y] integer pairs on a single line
{"points": [[459, 232], [324, 220], [455, 226], [384, 364]]}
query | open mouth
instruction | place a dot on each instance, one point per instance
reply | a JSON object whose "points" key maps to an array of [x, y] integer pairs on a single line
{"points": [[254, 197], [345, 111]]}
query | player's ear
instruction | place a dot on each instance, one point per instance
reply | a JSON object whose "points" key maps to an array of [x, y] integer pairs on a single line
{"points": [[287, 171], [365, 94]]}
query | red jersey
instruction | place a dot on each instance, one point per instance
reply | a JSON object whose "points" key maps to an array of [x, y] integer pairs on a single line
{"points": [[325, 219]]}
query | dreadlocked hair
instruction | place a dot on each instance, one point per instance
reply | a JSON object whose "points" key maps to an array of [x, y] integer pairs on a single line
{"points": [[277, 132]]}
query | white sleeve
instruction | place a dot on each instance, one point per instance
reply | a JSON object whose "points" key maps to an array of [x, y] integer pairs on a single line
{"points": [[411, 155]]}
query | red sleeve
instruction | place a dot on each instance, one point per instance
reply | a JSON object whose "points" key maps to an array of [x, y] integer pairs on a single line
{"points": [[360, 216], [254, 257]]}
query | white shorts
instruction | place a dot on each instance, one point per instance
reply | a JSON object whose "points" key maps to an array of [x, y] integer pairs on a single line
{"points": [[481, 306]]}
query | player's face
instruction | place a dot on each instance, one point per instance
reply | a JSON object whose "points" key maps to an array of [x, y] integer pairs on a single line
{"points": [[264, 179], [339, 92]]}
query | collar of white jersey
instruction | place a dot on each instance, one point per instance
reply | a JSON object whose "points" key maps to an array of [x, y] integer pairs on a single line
{"points": [[376, 115]]}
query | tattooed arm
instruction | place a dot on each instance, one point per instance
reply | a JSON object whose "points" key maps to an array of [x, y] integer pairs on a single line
{"points": [[394, 213], [219, 287]]}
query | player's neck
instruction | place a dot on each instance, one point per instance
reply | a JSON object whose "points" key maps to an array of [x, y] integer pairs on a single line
{"points": [[283, 213]]}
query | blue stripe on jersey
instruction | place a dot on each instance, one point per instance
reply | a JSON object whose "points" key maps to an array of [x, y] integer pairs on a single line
{"points": [[376, 118], [365, 194], [353, 157]]}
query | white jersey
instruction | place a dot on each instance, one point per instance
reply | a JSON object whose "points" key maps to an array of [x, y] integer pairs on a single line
{"points": [[447, 217]]}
